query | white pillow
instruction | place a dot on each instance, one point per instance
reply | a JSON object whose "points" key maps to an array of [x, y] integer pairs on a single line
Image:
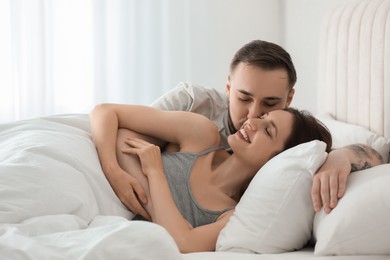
{"points": [[275, 214], [360, 224], [344, 134]]}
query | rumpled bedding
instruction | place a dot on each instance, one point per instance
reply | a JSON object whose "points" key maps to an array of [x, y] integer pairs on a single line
{"points": [[55, 202]]}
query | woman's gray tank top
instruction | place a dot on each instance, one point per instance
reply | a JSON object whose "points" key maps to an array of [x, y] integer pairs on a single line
{"points": [[177, 168]]}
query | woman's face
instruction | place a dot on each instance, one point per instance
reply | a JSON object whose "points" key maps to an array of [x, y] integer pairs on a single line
{"points": [[259, 139], [253, 91]]}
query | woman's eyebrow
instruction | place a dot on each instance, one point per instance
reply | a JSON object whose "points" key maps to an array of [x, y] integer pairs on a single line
{"points": [[275, 127]]}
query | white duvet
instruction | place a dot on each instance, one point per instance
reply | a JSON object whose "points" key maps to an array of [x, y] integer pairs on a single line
{"points": [[55, 202]]}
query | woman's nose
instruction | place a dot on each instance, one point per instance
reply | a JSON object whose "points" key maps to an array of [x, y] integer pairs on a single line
{"points": [[251, 124]]}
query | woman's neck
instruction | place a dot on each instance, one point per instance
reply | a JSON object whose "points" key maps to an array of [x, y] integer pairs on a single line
{"points": [[230, 175]]}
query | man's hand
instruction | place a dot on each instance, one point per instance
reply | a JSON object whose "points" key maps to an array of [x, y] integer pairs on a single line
{"points": [[330, 181]]}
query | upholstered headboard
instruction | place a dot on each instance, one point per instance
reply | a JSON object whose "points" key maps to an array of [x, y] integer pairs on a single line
{"points": [[354, 76]]}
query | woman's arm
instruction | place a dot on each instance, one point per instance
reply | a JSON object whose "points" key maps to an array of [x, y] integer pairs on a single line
{"points": [[179, 127], [188, 239], [183, 128], [128, 189], [166, 213]]}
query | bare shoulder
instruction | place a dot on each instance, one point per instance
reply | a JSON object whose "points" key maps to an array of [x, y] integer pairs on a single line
{"points": [[200, 130], [224, 217]]}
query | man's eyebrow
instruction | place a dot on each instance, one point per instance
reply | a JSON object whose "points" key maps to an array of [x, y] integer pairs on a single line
{"points": [[273, 98], [243, 91]]}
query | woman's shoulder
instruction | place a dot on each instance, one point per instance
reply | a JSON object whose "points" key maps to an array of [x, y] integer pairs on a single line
{"points": [[202, 132]]}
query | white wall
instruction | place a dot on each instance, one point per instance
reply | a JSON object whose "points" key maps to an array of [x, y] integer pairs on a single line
{"points": [[301, 26], [190, 40], [230, 24], [294, 24]]}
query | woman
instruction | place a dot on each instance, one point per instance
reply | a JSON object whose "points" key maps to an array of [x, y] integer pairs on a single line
{"points": [[194, 193]]}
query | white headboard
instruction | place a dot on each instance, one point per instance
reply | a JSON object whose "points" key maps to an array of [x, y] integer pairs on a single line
{"points": [[354, 76]]}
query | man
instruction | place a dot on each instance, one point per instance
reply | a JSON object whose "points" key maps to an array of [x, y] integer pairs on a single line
{"points": [[261, 79]]}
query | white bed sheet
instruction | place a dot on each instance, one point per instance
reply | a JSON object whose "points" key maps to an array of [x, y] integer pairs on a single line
{"points": [[304, 254], [70, 237], [57, 204]]}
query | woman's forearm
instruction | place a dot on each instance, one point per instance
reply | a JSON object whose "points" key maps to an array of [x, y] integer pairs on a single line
{"points": [[166, 212], [188, 238], [104, 127], [129, 190]]}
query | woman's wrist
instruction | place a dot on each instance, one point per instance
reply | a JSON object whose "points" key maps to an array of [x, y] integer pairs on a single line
{"points": [[112, 171], [157, 173]]}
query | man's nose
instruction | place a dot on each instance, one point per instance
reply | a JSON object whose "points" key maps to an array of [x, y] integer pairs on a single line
{"points": [[255, 111]]}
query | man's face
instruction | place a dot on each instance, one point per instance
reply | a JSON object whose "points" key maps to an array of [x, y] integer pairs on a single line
{"points": [[253, 91]]}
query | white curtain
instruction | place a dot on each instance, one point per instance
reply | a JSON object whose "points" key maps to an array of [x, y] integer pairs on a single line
{"points": [[65, 56]]}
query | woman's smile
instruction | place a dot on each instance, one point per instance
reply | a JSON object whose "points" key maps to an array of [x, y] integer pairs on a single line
{"points": [[243, 135]]}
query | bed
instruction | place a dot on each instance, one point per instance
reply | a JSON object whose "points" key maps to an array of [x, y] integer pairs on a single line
{"points": [[55, 202]]}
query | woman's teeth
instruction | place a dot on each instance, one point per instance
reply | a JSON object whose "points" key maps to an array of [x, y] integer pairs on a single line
{"points": [[243, 133]]}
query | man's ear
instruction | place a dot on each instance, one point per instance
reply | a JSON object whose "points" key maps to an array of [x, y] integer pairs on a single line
{"points": [[227, 86], [290, 97]]}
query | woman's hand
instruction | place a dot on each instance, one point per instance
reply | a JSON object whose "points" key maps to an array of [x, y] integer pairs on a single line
{"points": [[149, 155], [130, 193]]}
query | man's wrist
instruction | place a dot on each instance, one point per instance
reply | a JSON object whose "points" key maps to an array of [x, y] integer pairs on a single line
{"points": [[362, 157]]}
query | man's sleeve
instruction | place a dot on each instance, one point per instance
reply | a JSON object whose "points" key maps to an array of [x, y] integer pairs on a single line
{"points": [[178, 99], [198, 99]]}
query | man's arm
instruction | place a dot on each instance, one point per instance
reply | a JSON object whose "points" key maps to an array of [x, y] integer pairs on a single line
{"points": [[330, 181], [366, 157]]}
